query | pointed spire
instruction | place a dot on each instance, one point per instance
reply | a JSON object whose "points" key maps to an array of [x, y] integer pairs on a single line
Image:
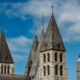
{"points": [[4, 50], [1, 28], [35, 42], [35, 34], [53, 38], [42, 20], [52, 8]]}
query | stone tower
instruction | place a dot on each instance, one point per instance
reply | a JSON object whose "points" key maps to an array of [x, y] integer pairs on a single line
{"points": [[78, 69], [6, 61], [52, 54], [47, 57]]}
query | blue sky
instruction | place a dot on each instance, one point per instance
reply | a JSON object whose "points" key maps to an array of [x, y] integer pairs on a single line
{"points": [[21, 17]]}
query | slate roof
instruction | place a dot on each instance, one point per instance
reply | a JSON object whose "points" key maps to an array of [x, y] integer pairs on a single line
{"points": [[12, 77], [5, 55], [32, 56], [37, 62], [53, 38]]}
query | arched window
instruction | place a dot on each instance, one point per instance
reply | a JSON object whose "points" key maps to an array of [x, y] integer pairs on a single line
{"points": [[61, 57], [56, 56], [56, 69], [5, 69], [1, 69], [44, 70], [48, 56], [48, 68], [44, 58], [61, 70], [8, 69]]}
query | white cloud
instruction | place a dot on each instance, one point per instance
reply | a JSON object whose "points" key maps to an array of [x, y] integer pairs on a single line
{"points": [[18, 57], [65, 12], [19, 44], [19, 47]]}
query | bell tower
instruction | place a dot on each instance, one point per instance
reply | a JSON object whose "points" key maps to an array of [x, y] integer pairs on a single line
{"points": [[78, 69], [6, 60], [52, 54]]}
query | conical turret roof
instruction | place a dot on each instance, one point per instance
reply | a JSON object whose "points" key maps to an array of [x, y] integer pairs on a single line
{"points": [[53, 38], [5, 55], [33, 52]]}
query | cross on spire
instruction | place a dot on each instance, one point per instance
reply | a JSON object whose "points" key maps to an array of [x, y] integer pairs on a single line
{"points": [[52, 8]]}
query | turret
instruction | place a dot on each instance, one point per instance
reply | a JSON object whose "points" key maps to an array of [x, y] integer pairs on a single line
{"points": [[6, 60]]}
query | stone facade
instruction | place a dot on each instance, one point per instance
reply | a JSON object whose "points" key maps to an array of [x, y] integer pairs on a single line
{"points": [[52, 63], [6, 68], [51, 47]]}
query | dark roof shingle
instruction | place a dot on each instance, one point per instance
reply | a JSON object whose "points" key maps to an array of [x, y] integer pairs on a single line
{"points": [[53, 38], [5, 55]]}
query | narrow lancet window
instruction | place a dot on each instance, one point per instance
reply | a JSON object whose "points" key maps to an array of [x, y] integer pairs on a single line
{"points": [[44, 58], [44, 70], [5, 69], [56, 69], [48, 68], [61, 57], [8, 70], [61, 70], [48, 56], [1, 69], [56, 56]]}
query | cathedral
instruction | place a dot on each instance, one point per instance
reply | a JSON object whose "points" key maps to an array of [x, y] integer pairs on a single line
{"points": [[46, 59]]}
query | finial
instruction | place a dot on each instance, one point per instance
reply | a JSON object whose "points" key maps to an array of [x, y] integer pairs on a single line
{"points": [[52, 9], [1, 28], [35, 31], [42, 28], [42, 20], [35, 34]]}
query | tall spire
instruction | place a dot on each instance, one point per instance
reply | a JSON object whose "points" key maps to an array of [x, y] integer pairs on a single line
{"points": [[42, 20], [5, 55], [35, 32], [52, 8], [1, 28], [53, 38]]}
